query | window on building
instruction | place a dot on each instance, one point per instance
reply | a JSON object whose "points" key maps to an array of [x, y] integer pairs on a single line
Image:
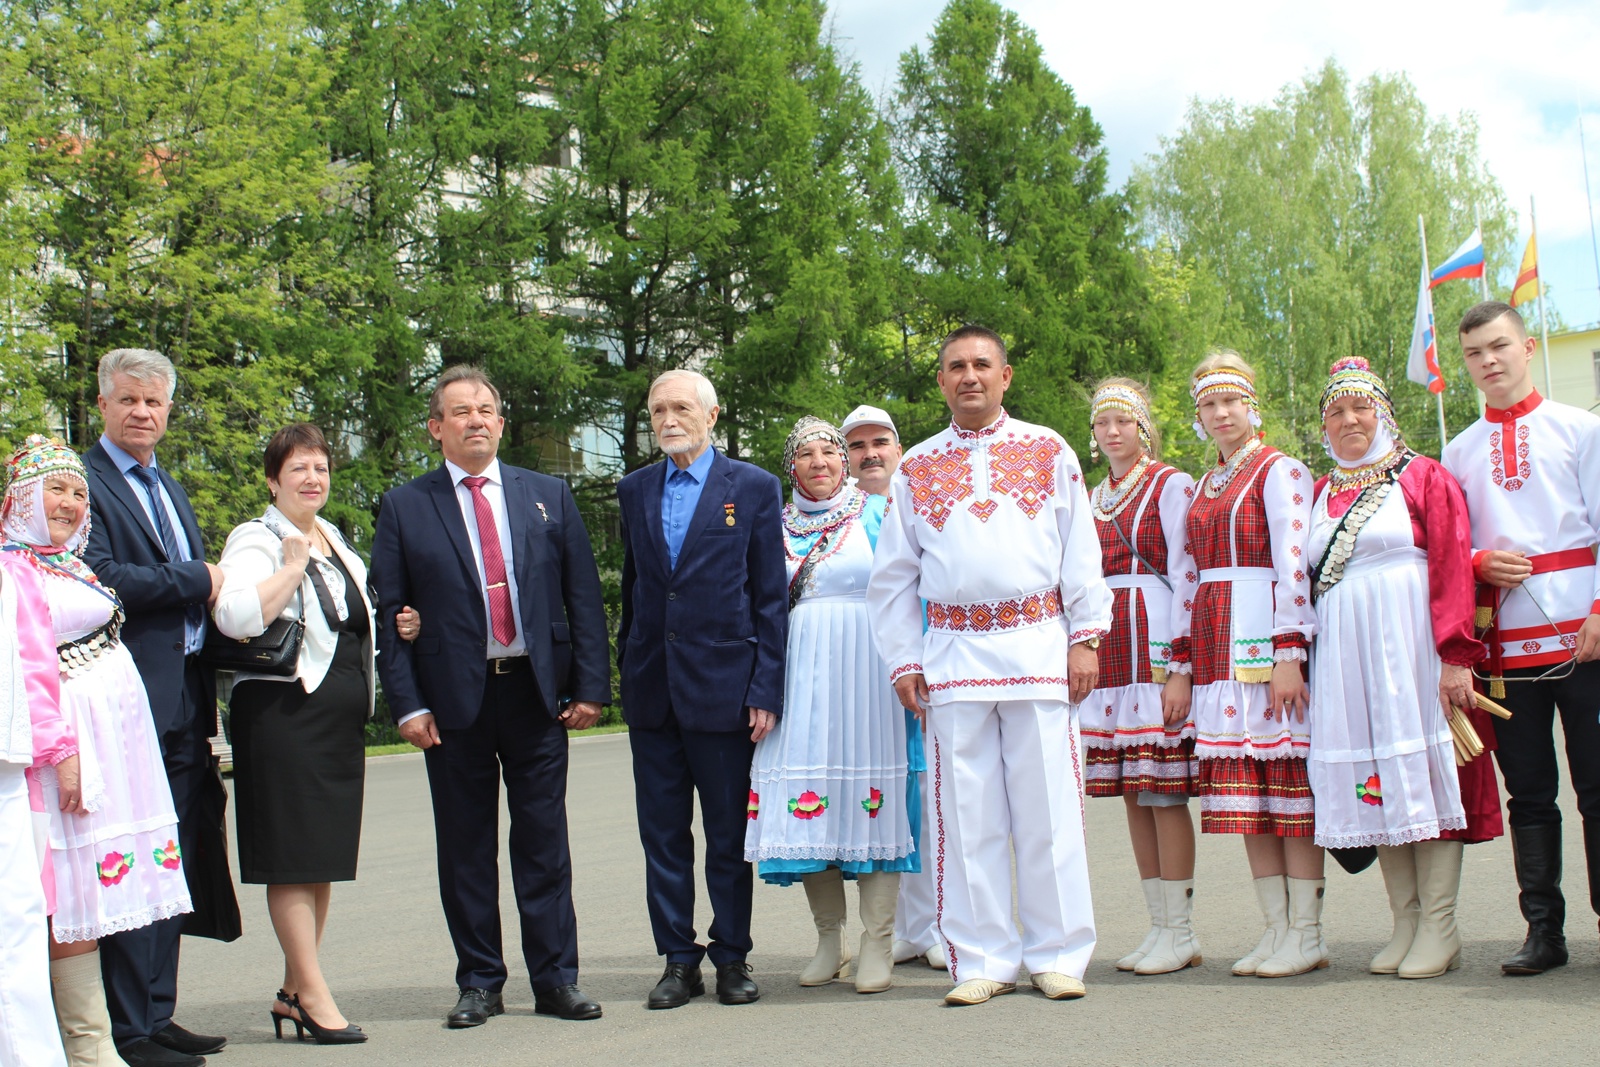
{"points": [[1596, 356]]}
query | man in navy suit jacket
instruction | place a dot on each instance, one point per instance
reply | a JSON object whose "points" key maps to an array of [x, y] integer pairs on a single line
{"points": [[146, 545], [701, 650], [512, 653]]}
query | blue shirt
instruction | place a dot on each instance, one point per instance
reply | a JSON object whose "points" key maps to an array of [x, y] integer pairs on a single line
{"points": [[679, 497], [194, 633]]}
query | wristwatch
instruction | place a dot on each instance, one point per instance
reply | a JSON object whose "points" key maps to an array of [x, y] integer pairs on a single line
{"points": [[1092, 642]]}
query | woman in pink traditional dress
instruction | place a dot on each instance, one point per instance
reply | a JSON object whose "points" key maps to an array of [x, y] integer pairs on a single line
{"points": [[115, 858], [1136, 725], [1392, 584], [1250, 629]]}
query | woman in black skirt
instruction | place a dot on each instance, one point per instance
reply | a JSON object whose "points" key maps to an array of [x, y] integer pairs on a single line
{"points": [[299, 742]]}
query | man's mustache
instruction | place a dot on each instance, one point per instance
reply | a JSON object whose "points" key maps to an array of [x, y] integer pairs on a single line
{"points": [[869, 464]]}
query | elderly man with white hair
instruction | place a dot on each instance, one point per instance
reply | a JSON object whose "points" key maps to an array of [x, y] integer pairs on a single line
{"points": [[705, 620]]}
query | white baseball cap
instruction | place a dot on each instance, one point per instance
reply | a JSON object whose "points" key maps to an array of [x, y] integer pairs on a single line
{"points": [[867, 415]]}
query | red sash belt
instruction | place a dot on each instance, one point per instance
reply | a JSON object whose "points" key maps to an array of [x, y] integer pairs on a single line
{"points": [[1488, 602]]}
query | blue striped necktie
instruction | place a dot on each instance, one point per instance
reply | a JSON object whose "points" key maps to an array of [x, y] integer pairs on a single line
{"points": [[194, 614]]}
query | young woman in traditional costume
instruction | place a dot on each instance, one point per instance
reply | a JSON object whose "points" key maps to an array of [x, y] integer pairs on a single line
{"points": [[1136, 726], [1392, 584], [1249, 633], [829, 796]]}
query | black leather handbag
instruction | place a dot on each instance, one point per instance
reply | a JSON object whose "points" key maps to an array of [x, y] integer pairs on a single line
{"points": [[276, 651]]}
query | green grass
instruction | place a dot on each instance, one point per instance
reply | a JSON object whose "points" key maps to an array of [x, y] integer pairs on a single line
{"points": [[393, 750]]}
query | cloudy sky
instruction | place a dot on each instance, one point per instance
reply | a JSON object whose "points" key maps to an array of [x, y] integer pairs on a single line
{"points": [[1523, 67]]}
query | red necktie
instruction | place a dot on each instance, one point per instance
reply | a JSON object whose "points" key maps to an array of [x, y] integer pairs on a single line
{"points": [[501, 617]]}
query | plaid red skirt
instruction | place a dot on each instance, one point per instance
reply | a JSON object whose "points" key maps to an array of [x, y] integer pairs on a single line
{"points": [[1146, 768], [1251, 796]]}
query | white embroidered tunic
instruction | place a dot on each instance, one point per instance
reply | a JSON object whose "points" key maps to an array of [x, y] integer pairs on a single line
{"points": [[1531, 475], [993, 529]]}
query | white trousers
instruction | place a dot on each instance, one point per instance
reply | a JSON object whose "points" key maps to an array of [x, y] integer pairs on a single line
{"points": [[28, 1033], [914, 919], [1009, 773]]}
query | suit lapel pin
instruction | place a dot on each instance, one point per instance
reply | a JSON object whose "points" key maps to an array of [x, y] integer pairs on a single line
{"points": [[545, 515], [728, 512]]}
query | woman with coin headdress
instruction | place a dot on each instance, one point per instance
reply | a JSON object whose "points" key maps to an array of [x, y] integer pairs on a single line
{"points": [[829, 796], [1249, 632], [1137, 733], [113, 832], [1392, 584]]}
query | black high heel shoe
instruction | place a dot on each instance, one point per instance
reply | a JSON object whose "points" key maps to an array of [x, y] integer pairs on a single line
{"points": [[350, 1035], [279, 1018]]}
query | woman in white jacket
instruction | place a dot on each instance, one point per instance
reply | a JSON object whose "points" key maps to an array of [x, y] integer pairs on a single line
{"points": [[299, 742]]}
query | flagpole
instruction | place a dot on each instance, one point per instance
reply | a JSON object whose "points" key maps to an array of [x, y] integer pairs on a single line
{"points": [[1422, 231], [1483, 277], [1544, 320]]}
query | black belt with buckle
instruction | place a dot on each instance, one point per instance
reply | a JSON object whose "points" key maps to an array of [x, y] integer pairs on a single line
{"points": [[507, 664]]}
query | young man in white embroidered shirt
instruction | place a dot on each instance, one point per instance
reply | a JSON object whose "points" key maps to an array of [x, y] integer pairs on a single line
{"points": [[989, 522], [1530, 469]]}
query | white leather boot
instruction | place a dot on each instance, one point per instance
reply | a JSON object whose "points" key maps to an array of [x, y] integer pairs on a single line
{"points": [[1301, 949], [1400, 879], [1153, 900], [1175, 947], [1437, 947], [875, 964], [1273, 895], [825, 894], [81, 1011]]}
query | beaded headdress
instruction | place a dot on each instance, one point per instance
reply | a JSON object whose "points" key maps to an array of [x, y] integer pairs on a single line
{"points": [[809, 429], [1353, 376], [22, 512], [1121, 398], [1224, 380]]}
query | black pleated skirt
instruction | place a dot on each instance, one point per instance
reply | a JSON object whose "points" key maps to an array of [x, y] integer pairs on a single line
{"points": [[299, 763]]}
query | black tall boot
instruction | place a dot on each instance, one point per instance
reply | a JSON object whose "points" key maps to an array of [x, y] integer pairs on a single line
{"points": [[1536, 850], [1591, 848]]}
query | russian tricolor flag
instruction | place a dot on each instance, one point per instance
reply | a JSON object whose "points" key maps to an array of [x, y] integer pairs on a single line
{"points": [[1423, 365], [1464, 262]]}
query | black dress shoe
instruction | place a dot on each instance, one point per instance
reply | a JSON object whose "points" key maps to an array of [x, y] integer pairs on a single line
{"points": [[146, 1053], [178, 1039], [734, 985], [679, 983], [566, 1001], [474, 1009]]}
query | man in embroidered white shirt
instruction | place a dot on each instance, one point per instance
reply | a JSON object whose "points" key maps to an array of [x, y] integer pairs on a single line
{"points": [[989, 522], [1530, 469]]}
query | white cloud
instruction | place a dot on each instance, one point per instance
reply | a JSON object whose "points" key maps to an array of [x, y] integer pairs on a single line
{"points": [[1516, 64]]}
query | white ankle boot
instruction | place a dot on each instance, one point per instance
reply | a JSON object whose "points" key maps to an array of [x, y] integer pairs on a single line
{"points": [[1437, 946], [1153, 900], [825, 894], [875, 964], [1273, 895], [1302, 948], [1175, 947], [1400, 879], [81, 1011]]}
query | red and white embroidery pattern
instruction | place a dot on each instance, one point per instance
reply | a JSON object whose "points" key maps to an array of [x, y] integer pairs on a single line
{"points": [[991, 683], [988, 616], [1511, 475], [909, 668], [939, 481], [1025, 470]]}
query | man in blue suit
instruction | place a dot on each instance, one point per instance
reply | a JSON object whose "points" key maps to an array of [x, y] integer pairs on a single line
{"points": [[146, 545], [701, 649], [512, 653]]}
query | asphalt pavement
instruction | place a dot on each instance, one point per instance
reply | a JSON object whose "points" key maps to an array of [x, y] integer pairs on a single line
{"points": [[388, 959]]}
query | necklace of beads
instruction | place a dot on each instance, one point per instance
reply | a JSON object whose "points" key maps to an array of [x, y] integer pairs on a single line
{"points": [[801, 524], [1347, 479], [1218, 477], [1111, 496]]}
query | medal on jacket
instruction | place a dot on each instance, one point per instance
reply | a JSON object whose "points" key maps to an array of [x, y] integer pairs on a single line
{"points": [[545, 515], [728, 513]]}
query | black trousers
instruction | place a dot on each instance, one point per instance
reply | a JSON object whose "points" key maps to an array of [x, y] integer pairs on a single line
{"points": [[670, 765], [140, 967], [1527, 752], [514, 738]]}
